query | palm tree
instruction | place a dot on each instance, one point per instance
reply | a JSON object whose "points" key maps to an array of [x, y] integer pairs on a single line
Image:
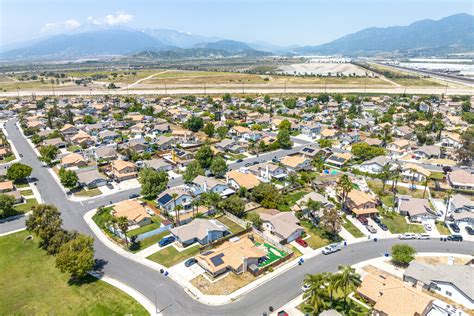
{"points": [[396, 177], [448, 198], [177, 209], [344, 186], [385, 175], [427, 179], [412, 170], [346, 281], [174, 195], [122, 223], [314, 297]]}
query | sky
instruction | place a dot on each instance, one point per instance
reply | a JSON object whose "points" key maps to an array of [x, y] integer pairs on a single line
{"points": [[280, 22]]}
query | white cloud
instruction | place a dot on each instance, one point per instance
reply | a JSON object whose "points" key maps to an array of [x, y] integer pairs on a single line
{"points": [[119, 18], [58, 27]]}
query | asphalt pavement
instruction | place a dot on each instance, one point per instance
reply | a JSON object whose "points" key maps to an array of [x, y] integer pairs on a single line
{"points": [[169, 295]]}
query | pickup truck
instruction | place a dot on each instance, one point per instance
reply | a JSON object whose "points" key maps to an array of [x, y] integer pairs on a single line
{"points": [[371, 229], [407, 236], [331, 249]]}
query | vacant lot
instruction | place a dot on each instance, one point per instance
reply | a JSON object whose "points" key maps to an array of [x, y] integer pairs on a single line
{"points": [[323, 69], [31, 285], [230, 283]]}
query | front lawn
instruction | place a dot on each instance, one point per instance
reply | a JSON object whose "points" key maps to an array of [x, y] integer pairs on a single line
{"points": [[397, 224], [318, 238], [26, 207], [351, 228], [442, 229], [170, 256], [143, 229], [74, 148], [225, 286], [26, 192], [233, 226], [147, 242], [88, 192], [33, 286]]}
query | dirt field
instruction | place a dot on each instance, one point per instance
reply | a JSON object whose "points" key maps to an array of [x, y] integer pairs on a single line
{"points": [[230, 283], [323, 69]]}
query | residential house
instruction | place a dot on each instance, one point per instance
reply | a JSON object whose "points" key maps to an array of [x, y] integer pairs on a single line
{"points": [[417, 210], [202, 184], [134, 211], [310, 129], [57, 142], [451, 140], [199, 230], [398, 147], [123, 170], [68, 130], [283, 225], [361, 203], [454, 282], [462, 209], [427, 152], [82, 139], [267, 171], [404, 132], [163, 142], [90, 178], [414, 172], [302, 205], [237, 180], [375, 164], [158, 164], [105, 153], [461, 180], [8, 188], [237, 255], [171, 198], [296, 163], [339, 159], [73, 160]]}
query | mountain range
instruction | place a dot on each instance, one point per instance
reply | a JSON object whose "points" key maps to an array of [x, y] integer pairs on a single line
{"points": [[448, 35]]}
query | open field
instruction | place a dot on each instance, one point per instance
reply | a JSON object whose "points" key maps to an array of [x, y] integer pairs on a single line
{"points": [[345, 69], [408, 81], [31, 285], [117, 76]]}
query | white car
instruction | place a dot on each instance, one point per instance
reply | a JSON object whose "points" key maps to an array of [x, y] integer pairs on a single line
{"points": [[305, 287], [331, 248], [428, 227], [423, 236], [407, 236]]}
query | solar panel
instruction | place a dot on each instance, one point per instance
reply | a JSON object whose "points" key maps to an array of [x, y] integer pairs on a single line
{"points": [[217, 260], [165, 199]]}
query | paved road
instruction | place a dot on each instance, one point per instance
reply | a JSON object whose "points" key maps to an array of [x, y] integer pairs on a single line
{"points": [[275, 293]]}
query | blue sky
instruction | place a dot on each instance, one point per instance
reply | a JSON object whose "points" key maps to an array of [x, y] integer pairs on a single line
{"points": [[303, 22]]}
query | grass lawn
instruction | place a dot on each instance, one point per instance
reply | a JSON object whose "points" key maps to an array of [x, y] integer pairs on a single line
{"points": [[22, 185], [26, 192], [397, 224], [296, 252], [229, 284], [26, 207], [74, 148], [170, 256], [147, 242], [290, 200], [351, 228], [317, 240], [233, 226], [8, 158], [88, 193], [442, 229], [377, 188], [235, 156], [36, 287], [143, 229]]}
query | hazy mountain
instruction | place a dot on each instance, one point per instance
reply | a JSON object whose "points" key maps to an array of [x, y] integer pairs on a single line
{"points": [[451, 34], [228, 45], [96, 43], [197, 52], [179, 39]]}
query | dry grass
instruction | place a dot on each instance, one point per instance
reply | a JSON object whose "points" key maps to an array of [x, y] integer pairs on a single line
{"points": [[441, 260], [225, 286]]}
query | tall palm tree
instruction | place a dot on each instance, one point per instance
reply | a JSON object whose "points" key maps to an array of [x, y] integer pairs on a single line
{"points": [[448, 198], [412, 170], [346, 281], [344, 186], [385, 175], [174, 195], [330, 285], [314, 297], [122, 223]]}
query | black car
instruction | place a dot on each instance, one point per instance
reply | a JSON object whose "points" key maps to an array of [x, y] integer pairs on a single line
{"points": [[469, 230], [377, 220], [455, 238], [455, 227], [134, 195], [239, 160], [190, 262], [383, 226]]}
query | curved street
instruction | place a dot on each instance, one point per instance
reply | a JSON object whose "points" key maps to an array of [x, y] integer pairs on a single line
{"points": [[169, 295]]}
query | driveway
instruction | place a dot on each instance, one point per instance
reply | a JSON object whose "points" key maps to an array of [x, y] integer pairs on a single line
{"points": [[187, 273]]}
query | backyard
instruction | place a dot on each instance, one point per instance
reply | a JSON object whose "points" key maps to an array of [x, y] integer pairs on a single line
{"points": [[290, 199], [233, 226], [33, 286], [170, 256]]}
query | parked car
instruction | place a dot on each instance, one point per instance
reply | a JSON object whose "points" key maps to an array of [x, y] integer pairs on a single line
{"points": [[469, 230], [383, 226], [134, 195], [331, 249], [363, 220], [371, 229], [275, 160], [377, 220], [239, 160], [455, 238], [423, 236], [427, 227], [455, 227], [407, 236], [109, 185], [21, 155], [190, 262], [305, 287], [301, 242], [166, 241], [282, 313]]}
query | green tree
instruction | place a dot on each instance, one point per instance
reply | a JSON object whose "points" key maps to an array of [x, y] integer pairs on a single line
{"points": [[68, 178], [325, 143], [466, 151], [6, 205], [285, 124], [222, 131], [234, 205], [193, 170], [209, 129], [76, 257], [323, 98], [283, 139], [195, 123], [385, 174], [347, 280], [403, 254], [267, 195], [344, 186], [227, 98], [48, 154], [255, 219], [152, 181], [211, 199], [331, 221], [122, 223], [18, 171], [364, 151], [204, 156], [340, 120], [218, 166], [314, 302], [45, 222]]}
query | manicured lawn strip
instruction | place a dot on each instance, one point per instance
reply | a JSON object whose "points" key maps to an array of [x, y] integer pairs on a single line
{"points": [[351, 228], [36, 287], [296, 252], [170, 256], [26, 207], [397, 224], [88, 193], [147, 242], [233, 226], [8, 158], [442, 229], [143, 229], [21, 185], [74, 148], [26, 192]]}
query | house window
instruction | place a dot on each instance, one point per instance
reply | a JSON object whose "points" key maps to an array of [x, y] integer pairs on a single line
{"points": [[449, 293]]}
